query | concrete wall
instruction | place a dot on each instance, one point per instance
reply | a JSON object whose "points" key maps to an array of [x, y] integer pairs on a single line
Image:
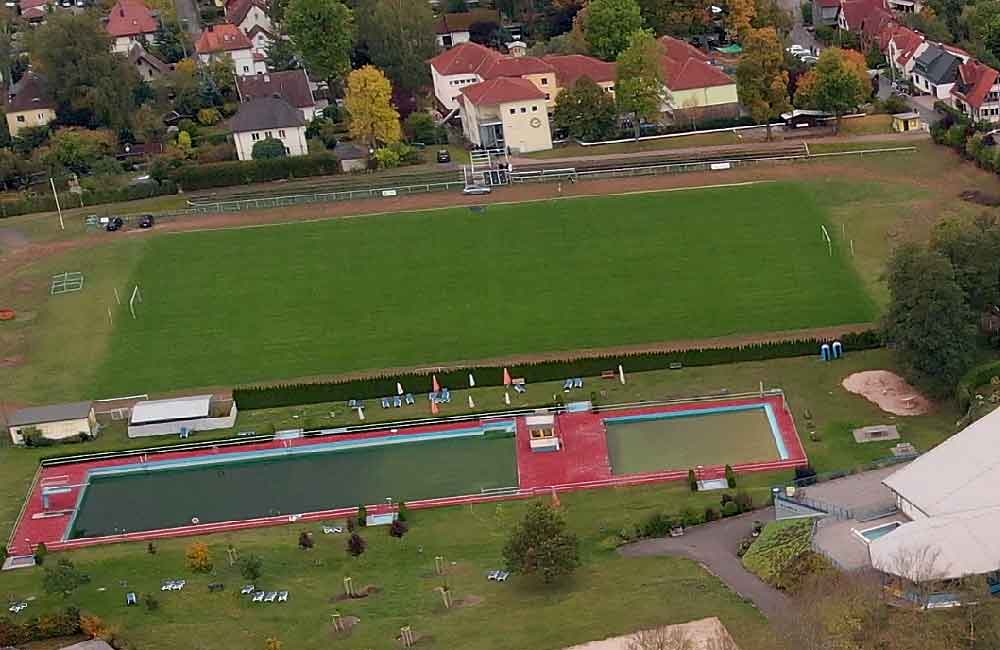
{"points": [[294, 139], [174, 428], [526, 126], [24, 119], [908, 508], [56, 430]]}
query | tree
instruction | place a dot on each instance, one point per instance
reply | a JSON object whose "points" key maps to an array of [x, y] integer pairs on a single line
{"points": [[362, 517], [771, 13], [421, 127], [41, 552], [250, 567], [739, 16], [76, 150], [981, 23], [486, 32], [838, 83], [323, 34], [928, 321], [761, 77], [667, 637], [540, 544], [198, 558], [63, 578], [930, 25], [692, 480], [610, 24], [402, 512], [398, 529], [268, 149], [457, 7], [372, 117], [680, 18], [356, 545], [639, 83], [171, 43], [281, 55], [970, 246], [305, 540], [400, 38], [730, 477], [585, 111], [91, 86]]}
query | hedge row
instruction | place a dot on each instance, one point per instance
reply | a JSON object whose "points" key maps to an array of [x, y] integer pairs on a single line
{"points": [[261, 397], [222, 174], [44, 202], [978, 376], [49, 626]]}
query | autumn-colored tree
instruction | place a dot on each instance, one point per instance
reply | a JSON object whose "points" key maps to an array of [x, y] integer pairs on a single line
{"points": [[198, 558], [639, 84], [272, 644], [739, 15], [94, 626], [839, 83], [761, 77], [372, 117]]}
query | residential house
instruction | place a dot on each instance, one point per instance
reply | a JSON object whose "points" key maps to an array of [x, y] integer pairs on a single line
{"points": [[29, 103], [506, 112], [902, 49], [695, 89], [454, 29], [35, 11], [470, 63], [825, 12], [352, 157], [56, 422], [252, 19], [977, 91], [292, 85], [130, 22], [226, 39], [935, 70], [149, 66], [268, 117]]}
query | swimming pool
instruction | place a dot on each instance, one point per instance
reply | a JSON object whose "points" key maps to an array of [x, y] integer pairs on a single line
{"points": [[871, 534]]}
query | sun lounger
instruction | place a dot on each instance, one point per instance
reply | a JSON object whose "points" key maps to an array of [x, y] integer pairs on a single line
{"points": [[409, 399], [271, 597], [179, 584], [130, 599], [502, 576], [352, 404], [520, 388], [282, 596], [492, 575], [385, 402], [332, 530], [567, 385], [578, 382], [16, 608], [247, 590], [397, 401], [445, 395], [258, 597]]}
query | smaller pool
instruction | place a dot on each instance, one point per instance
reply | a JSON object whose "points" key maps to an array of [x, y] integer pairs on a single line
{"points": [[871, 534]]}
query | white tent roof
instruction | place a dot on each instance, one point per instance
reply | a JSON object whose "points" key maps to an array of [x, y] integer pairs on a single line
{"points": [[941, 548], [162, 410], [962, 473]]}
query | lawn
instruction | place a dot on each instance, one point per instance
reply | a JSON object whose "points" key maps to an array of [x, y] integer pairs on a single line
{"points": [[312, 482], [688, 441], [420, 288]]}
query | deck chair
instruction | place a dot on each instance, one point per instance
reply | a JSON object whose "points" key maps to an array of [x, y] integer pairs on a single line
{"points": [[520, 388], [567, 385], [397, 401], [492, 575], [247, 590], [385, 402], [271, 597], [282, 596], [258, 597], [409, 399], [578, 382], [502, 576], [130, 599]]}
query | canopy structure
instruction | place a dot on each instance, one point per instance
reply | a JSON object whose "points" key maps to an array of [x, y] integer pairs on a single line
{"points": [[168, 410]]}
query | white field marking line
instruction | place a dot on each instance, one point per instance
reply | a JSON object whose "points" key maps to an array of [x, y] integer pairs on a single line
{"points": [[465, 205]]}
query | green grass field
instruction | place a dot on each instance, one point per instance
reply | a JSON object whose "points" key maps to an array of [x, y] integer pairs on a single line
{"points": [[256, 304], [688, 441], [306, 483]]}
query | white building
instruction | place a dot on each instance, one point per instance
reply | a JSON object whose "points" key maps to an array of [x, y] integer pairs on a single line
{"points": [[977, 92], [219, 41], [56, 422], [935, 69], [506, 112], [180, 415], [131, 22], [268, 117], [252, 19]]}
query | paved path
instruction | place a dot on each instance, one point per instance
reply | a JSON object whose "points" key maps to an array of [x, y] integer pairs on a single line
{"points": [[188, 17], [714, 545], [800, 35]]}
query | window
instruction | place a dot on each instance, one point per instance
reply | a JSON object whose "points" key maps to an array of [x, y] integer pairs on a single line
{"points": [[545, 81], [534, 108], [512, 111], [246, 68], [255, 137], [41, 116], [547, 96], [446, 40], [20, 118], [281, 133], [524, 110], [267, 134]]}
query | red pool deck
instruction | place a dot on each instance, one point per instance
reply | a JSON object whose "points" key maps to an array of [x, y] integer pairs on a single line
{"points": [[582, 463]]}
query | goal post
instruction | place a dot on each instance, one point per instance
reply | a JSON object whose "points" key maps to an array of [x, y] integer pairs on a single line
{"points": [[826, 238], [136, 297]]}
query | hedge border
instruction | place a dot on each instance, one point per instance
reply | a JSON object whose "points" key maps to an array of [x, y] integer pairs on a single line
{"points": [[978, 376], [296, 394]]}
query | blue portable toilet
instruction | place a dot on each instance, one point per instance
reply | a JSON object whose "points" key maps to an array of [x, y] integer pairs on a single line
{"points": [[838, 349], [824, 351]]}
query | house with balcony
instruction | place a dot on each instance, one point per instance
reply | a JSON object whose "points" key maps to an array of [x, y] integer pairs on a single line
{"points": [[977, 92]]}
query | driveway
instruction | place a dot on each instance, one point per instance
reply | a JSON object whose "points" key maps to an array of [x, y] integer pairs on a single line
{"points": [[799, 34], [714, 545], [188, 17], [924, 104]]}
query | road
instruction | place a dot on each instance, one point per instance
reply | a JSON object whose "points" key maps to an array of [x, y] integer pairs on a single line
{"points": [[188, 17], [715, 545], [799, 33]]}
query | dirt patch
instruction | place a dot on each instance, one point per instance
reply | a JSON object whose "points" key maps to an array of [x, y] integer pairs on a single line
{"points": [[888, 391], [703, 634], [347, 624], [469, 601], [364, 592], [11, 239], [980, 198], [12, 362]]}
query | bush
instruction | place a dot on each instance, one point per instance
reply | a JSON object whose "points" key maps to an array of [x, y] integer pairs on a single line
{"points": [[268, 149], [744, 502], [280, 395], [402, 513], [398, 529], [199, 177], [656, 525], [807, 13], [198, 558], [47, 626], [362, 516], [730, 476], [978, 376], [209, 116], [730, 509], [691, 517], [780, 543], [387, 158], [305, 540], [692, 480], [251, 567], [711, 514], [356, 545], [41, 552], [151, 602]]}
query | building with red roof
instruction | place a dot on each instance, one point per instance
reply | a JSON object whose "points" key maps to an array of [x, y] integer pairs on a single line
{"points": [[977, 91], [471, 63], [252, 19], [130, 22], [695, 89], [506, 112], [226, 40]]}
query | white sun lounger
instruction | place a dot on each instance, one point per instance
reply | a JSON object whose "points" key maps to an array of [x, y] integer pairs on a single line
{"points": [[492, 575], [258, 597], [271, 597], [178, 585], [502, 576], [282, 596], [332, 530], [246, 591]]}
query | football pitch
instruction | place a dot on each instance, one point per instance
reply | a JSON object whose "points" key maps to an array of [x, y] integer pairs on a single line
{"points": [[269, 303]]}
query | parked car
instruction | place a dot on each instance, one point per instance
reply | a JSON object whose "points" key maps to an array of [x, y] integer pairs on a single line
{"points": [[809, 59], [477, 189], [443, 156], [114, 223], [797, 50], [146, 221]]}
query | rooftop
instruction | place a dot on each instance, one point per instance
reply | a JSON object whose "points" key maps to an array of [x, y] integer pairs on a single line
{"points": [[290, 85], [570, 67], [975, 80], [30, 92], [472, 58], [237, 10], [53, 413], [938, 65], [494, 92], [265, 113], [131, 18], [461, 22], [224, 37]]}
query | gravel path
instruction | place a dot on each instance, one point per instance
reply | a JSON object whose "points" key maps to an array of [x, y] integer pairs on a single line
{"points": [[714, 545]]}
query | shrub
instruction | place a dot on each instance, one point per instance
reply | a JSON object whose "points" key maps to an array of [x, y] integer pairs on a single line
{"points": [[199, 177], [387, 158], [151, 548], [656, 525], [398, 529], [690, 517], [780, 543], [744, 501], [251, 567], [198, 558], [692, 480], [402, 513], [362, 516], [151, 602], [730, 509], [730, 476], [305, 540], [541, 544], [209, 116], [356, 545], [279, 395], [268, 149], [711, 514], [41, 551], [351, 523]]}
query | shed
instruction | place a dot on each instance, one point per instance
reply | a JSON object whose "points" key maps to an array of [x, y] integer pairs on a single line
{"points": [[55, 422], [182, 414], [904, 122], [352, 157], [799, 118]]}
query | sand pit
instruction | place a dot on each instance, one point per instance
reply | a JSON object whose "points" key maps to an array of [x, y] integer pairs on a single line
{"points": [[703, 634], [889, 391]]}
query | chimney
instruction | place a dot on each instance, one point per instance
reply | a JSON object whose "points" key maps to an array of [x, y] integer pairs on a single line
{"points": [[267, 78], [121, 11]]}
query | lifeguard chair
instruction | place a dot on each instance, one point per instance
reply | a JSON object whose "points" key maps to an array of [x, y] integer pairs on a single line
{"points": [[542, 433]]}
